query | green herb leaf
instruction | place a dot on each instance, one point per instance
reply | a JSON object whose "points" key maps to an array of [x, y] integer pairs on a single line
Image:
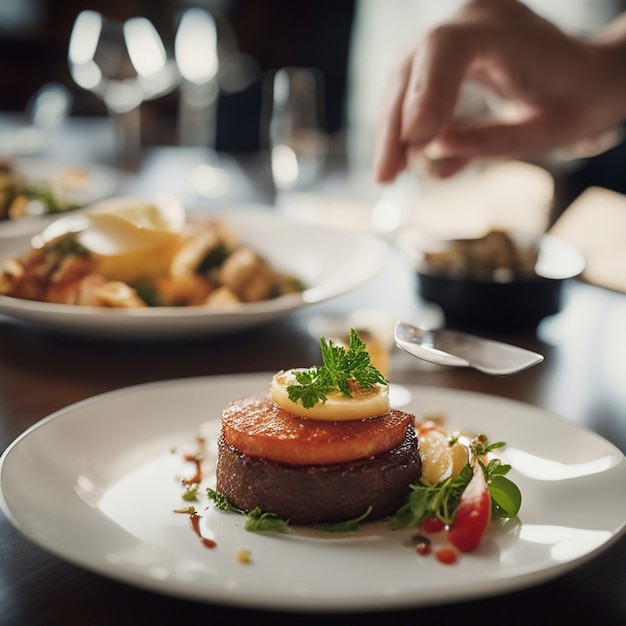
{"points": [[416, 509], [147, 293], [191, 493], [346, 526], [256, 521], [68, 245], [480, 445], [221, 502], [259, 521], [340, 366], [440, 500], [506, 498]]}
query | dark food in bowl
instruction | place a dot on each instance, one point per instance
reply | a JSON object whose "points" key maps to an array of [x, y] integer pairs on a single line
{"points": [[502, 281], [495, 255]]}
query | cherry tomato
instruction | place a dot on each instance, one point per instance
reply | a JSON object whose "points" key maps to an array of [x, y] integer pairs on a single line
{"points": [[432, 525], [473, 515]]}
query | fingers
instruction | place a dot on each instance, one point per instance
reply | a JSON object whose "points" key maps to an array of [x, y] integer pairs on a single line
{"points": [[520, 139], [422, 97], [445, 168], [433, 87], [429, 165], [389, 153]]}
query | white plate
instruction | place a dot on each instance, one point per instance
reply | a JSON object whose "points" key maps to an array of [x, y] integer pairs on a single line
{"points": [[97, 482], [100, 182], [329, 261]]}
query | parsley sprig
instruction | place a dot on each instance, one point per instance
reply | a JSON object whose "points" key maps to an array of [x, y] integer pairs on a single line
{"points": [[256, 520], [340, 367]]}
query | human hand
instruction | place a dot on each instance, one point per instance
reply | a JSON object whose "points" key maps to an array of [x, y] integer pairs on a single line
{"points": [[563, 89]]}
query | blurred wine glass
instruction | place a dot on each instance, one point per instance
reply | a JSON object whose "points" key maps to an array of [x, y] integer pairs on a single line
{"points": [[196, 53], [297, 141], [210, 64], [124, 64]]}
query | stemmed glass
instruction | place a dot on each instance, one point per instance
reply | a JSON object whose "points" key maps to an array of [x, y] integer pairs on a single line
{"points": [[210, 64], [196, 54], [124, 64], [297, 141]]}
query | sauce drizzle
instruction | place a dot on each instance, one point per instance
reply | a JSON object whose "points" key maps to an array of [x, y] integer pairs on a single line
{"points": [[194, 520], [197, 477]]}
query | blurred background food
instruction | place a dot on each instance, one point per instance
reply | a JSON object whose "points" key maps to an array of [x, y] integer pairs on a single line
{"points": [[498, 253], [129, 253], [21, 196]]}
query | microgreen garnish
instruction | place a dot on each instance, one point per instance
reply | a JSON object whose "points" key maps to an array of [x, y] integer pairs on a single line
{"points": [[256, 520], [340, 367], [191, 492], [221, 502], [261, 522], [346, 526], [442, 500], [506, 498], [480, 445]]}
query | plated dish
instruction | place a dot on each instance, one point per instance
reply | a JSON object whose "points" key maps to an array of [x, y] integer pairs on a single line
{"points": [[129, 253], [329, 262], [99, 489]]}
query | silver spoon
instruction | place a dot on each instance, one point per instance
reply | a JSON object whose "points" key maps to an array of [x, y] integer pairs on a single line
{"points": [[456, 349]]}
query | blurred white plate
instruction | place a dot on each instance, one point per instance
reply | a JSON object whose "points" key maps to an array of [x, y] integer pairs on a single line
{"points": [[79, 183], [96, 484], [330, 262]]}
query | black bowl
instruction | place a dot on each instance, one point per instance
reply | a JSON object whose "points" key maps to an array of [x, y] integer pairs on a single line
{"points": [[501, 300]]}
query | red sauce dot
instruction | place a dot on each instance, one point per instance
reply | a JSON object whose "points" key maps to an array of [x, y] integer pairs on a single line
{"points": [[423, 548], [447, 556]]}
